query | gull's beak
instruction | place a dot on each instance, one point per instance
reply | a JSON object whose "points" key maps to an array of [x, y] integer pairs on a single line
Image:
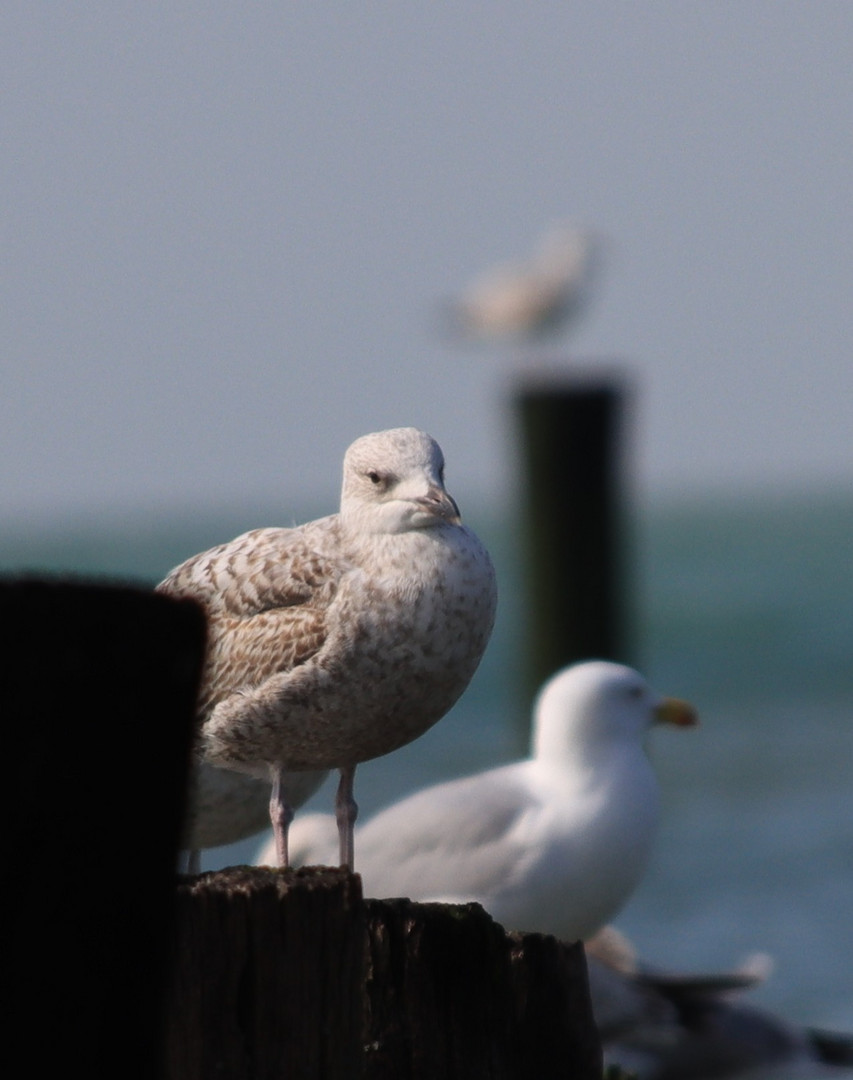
{"points": [[675, 711], [438, 502]]}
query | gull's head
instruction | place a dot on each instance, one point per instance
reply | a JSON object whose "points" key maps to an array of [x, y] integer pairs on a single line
{"points": [[394, 482], [598, 703]]}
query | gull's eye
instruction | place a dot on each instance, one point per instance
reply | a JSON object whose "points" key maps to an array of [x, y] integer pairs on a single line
{"points": [[381, 481], [635, 692]]}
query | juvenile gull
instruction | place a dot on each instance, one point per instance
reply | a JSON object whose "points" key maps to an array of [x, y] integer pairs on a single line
{"points": [[554, 844], [347, 637]]}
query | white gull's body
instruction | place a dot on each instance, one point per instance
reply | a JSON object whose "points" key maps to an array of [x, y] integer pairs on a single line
{"points": [[347, 637], [553, 844]]}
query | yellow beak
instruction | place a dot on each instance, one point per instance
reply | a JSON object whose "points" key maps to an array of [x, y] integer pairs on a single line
{"points": [[675, 711]]}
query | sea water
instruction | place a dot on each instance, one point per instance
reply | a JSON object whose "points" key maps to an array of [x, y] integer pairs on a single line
{"points": [[743, 606]]}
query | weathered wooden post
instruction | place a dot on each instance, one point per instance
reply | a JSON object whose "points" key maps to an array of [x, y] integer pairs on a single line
{"points": [[571, 429], [268, 973], [291, 975]]}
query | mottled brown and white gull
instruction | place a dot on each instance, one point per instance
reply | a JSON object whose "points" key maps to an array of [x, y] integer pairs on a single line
{"points": [[345, 638]]}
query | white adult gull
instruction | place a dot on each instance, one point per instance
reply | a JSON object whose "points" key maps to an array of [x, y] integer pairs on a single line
{"points": [[553, 844], [345, 638]]}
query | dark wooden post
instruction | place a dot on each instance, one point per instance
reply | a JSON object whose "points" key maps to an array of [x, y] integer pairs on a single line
{"points": [[283, 974], [268, 975], [98, 688], [576, 609]]}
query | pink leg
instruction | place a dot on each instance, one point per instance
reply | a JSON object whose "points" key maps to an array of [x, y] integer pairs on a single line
{"points": [[346, 811], [281, 815]]}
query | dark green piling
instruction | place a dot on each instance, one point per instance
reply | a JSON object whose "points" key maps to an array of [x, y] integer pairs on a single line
{"points": [[572, 434]]}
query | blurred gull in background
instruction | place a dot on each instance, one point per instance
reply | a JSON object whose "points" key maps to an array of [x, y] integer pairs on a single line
{"points": [[532, 299], [660, 1025]]}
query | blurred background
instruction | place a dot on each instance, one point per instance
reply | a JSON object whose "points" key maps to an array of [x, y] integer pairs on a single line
{"points": [[230, 238]]}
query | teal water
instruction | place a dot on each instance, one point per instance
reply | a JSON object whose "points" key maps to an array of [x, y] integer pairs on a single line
{"points": [[744, 607], [747, 608]]}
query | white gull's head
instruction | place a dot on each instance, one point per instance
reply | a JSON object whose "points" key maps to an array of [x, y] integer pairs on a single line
{"points": [[394, 482], [597, 704]]}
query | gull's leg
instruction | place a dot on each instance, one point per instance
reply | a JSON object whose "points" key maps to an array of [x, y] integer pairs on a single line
{"points": [[194, 861], [346, 811], [281, 815]]}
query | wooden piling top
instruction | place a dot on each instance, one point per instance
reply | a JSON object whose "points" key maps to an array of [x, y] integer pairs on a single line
{"points": [[291, 973]]}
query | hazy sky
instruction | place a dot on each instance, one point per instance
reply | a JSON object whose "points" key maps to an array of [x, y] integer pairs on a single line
{"points": [[226, 228]]}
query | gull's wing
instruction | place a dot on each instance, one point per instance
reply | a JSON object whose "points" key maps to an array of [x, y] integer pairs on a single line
{"points": [[267, 596], [456, 841], [261, 569]]}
